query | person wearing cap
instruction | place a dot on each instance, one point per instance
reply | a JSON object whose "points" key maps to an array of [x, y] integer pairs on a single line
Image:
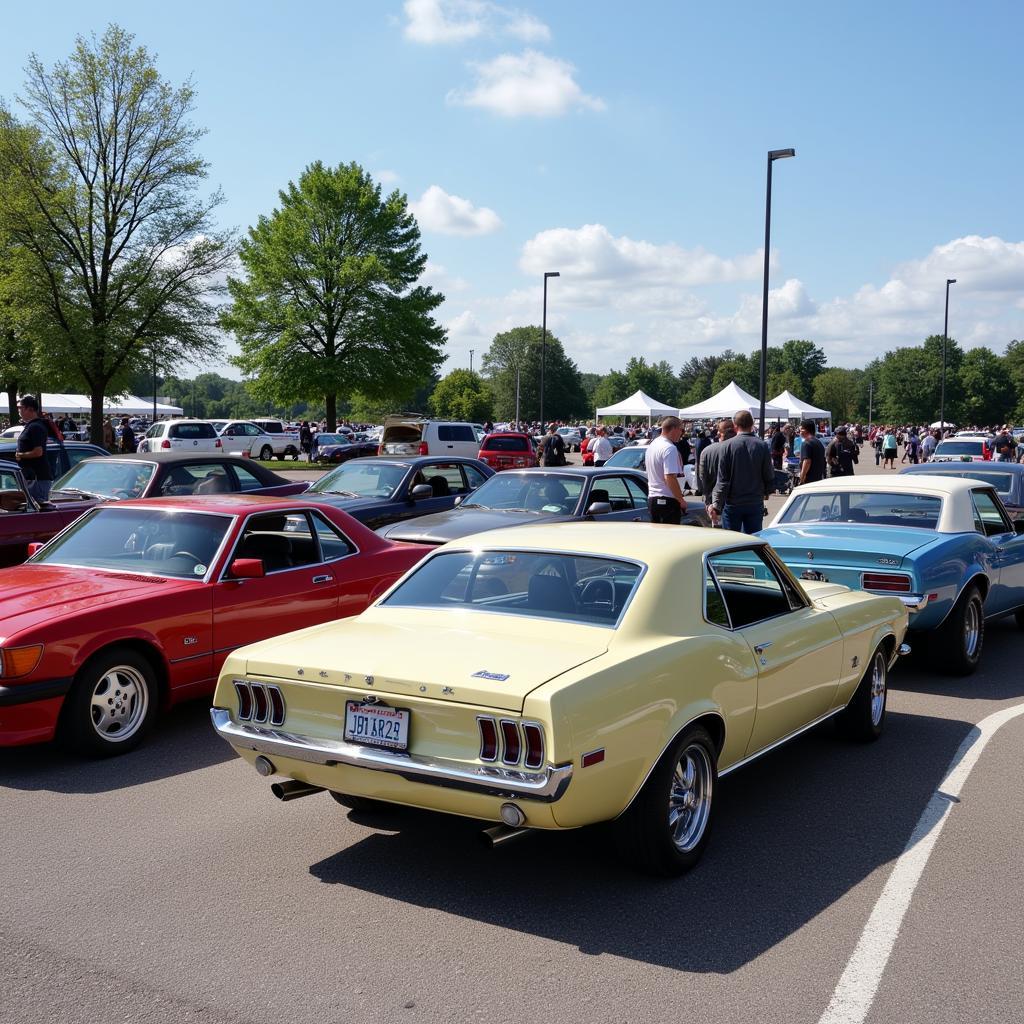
{"points": [[841, 454], [31, 450]]}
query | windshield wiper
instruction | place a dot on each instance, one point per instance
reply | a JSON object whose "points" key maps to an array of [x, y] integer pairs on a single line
{"points": [[79, 491], [344, 494], [473, 504]]}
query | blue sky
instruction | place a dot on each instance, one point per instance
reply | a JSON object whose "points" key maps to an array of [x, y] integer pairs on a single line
{"points": [[624, 146]]}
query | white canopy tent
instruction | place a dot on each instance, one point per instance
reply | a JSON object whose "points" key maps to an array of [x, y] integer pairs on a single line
{"points": [[638, 404], [728, 402], [122, 405], [799, 410]]}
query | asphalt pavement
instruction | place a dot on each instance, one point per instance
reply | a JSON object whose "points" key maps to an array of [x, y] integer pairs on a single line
{"points": [[170, 886]]}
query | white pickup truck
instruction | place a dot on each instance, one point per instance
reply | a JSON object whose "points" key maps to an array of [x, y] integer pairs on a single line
{"points": [[247, 438]]}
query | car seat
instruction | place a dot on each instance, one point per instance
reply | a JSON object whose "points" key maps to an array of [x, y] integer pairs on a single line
{"points": [[215, 483], [439, 485], [549, 594], [599, 494], [551, 492]]}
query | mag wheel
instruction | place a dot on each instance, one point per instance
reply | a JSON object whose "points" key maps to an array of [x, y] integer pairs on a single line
{"points": [[864, 717], [961, 637]]}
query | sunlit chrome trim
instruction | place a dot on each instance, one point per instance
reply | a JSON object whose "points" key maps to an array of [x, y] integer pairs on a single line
{"points": [[526, 744], [546, 786], [274, 718], [913, 602], [778, 743], [497, 736]]}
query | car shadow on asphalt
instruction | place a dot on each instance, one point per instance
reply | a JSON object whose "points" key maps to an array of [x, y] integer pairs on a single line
{"points": [[182, 741], [793, 835]]}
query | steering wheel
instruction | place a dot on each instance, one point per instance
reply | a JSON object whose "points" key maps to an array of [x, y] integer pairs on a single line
{"points": [[186, 554], [599, 591]]}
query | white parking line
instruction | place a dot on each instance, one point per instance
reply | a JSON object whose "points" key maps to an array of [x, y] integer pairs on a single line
{"points": [[856, 990]]}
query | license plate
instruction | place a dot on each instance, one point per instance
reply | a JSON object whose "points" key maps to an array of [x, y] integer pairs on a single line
{"points": [[377, 726]]}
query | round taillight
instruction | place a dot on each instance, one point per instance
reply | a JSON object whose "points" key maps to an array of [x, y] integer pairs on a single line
{"points": [[165, 443]]}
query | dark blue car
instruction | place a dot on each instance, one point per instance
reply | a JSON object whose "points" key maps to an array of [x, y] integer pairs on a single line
{"points": [[1006, 477], [385, 489]]}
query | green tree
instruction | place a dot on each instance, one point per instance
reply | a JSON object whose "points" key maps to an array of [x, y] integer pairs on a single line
{"points": [[590, 381], [329, 305], [805, 361], [696, 376], [1013, 363], [989, 395], [124, 248], [745, 372], [839, 391], [909, 382], [614, 387], [463, 395], [657, 380], [787, 380]]}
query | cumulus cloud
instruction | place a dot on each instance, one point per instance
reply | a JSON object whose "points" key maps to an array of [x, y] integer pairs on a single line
{"points": [[457, 21], [437, 276], [446, 214], [464, 326], [529, 84], [386, 176]]}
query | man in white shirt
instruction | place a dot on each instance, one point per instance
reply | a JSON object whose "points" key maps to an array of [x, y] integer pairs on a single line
{"points": [[664, 467], [601, 447]]}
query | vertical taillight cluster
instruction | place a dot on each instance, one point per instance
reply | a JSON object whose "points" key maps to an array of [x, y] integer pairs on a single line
{"points": [[511, 742], [259, 702]]}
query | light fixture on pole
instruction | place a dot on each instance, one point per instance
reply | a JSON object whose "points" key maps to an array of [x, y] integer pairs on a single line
{"points": [[471, 351], [945, 338], [773, 155], [544, 339]]}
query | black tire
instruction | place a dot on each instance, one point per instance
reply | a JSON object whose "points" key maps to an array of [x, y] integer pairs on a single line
{"points": [[291, 452], [956, 650], [648, 835], [864, 717], [266, 453], [357, 803], [112, 704]]}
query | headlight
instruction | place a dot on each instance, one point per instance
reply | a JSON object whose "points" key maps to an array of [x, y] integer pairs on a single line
{"points": [[19, 661]]}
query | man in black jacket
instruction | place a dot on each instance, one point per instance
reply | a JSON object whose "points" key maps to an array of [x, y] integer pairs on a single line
{"points": [[553, 448], [745, 478]]}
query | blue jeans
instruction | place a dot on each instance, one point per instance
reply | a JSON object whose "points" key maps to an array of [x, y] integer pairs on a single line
{"points": [[743, 518], [39, 489]]}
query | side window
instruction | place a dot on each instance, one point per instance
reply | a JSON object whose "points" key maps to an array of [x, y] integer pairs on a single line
{"points": [[474, 478], [749, 586], [156, 430], [12, 497], [251, 430], [455, 432], [445, 478], [332, 543], [281, 540], [988, 516], [714, 604], [76, 455], [246, 480], [638, 494], [618, 495]]}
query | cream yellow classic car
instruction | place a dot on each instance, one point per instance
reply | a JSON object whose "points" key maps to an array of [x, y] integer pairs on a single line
{"points": [[552, 677]]}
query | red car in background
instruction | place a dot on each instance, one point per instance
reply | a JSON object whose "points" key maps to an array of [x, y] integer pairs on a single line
{"points": [[508, 450], [134, 607]]}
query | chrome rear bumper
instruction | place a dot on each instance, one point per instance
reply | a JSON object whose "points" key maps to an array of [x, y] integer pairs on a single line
{"points": [[913, 602], [546, 786]]}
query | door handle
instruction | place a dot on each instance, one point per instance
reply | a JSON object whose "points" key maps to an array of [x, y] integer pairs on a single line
{"points": [[761, 648], [322, 579]]}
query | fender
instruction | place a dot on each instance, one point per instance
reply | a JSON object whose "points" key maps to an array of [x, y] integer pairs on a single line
{"points": [[130, 636], [975, 573]]}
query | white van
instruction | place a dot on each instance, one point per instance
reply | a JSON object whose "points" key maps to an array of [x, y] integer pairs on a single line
{"points": [[412, 435]]}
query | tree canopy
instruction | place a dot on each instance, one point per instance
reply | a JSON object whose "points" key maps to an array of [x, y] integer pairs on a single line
{"points": [[463, 395]]}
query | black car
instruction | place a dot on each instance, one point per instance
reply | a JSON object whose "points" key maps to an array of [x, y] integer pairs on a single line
{"points": [[1006, 477], [61, 458], [388, 489], [517, 497], [165, 474], [341, 447]]}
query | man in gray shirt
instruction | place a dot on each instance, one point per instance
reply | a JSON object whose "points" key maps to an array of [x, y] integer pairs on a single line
{"points": [[745, 478], [707, 468]]}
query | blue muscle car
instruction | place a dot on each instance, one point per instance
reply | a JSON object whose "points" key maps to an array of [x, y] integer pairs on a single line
{"points": [[945, 546]]}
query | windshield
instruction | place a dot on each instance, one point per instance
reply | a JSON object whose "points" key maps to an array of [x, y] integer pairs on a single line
{"points": [[959, 447], [529, 492], [158, 542], [324, 439], [108, 478], [540, 584], [868, 507], [504, 444], [1002, 482], [631, 457], [371, 479]]}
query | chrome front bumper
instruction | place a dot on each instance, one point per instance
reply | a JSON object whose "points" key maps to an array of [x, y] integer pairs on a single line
{"points": [[546, 786]]}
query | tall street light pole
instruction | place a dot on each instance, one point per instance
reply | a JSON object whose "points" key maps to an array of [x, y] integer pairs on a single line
{"points": [[154, 382], [471, 351], [544, 340], [773, 155], [945, 338]]}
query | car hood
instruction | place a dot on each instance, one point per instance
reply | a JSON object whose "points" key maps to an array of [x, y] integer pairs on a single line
{"points": [[45, 593], [346, 504], [445, 526], [465, 658]]}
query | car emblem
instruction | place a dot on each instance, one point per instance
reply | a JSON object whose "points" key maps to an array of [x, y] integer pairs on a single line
{"points": [[855, 662], [301, 672], [447, 690], [369, 680], [322, 674], [190, 640], [484, 674], [888, 561], [810, 555]]}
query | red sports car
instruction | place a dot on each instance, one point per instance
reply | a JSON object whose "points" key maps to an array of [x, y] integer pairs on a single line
{"points": [[508, 450], [134, 607]]}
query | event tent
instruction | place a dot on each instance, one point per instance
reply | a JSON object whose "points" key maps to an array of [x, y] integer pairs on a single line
{"points": [[729, 401], [638, 404], [121, 405], [799, 410]]}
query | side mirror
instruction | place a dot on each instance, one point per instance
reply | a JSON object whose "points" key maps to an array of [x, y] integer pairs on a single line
{"points": [[458, 501], [599, 508], [247, 569], [36, 546], [421, 491], [1018, 527]]}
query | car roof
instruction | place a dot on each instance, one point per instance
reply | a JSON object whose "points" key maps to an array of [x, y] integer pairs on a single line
{"points": [[173, 456], [647, 542], [945, 468], [583, 471], [11, 444], [877, 482], [415, 460], [232, 504]]}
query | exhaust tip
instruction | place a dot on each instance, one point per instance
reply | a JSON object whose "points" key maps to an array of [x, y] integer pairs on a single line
{"points": [[498, 835], [904, 649], [264, 766], [292, 789]]}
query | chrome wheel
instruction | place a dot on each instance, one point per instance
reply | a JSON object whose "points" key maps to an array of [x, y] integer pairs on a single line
{"points": [[877, 689], [689, 802], [119, 702], [972, 628]]}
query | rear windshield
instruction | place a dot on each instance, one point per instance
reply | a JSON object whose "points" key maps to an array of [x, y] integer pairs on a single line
{"points": [[192, 431], [504, 444], [538, 584], [868, 507], [1002, 482], [959, 447]]}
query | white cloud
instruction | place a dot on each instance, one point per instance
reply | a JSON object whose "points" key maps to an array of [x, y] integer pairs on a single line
{"points": [[457, 21], [465, 326], [592, 254], [437, 276], [446, 214], [529, 84], [386, 176]]}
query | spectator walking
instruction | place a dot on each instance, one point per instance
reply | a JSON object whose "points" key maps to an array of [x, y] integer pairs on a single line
{"points": [[664, 470], [812, 453], [109, 436], [128, 443], [552, 448], [889, 445], [707, 468], [31, 450], [841, 454], [306, 440], [601, 447], [778, 446], [1005, 447], [928, 445], [745, 478]]}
